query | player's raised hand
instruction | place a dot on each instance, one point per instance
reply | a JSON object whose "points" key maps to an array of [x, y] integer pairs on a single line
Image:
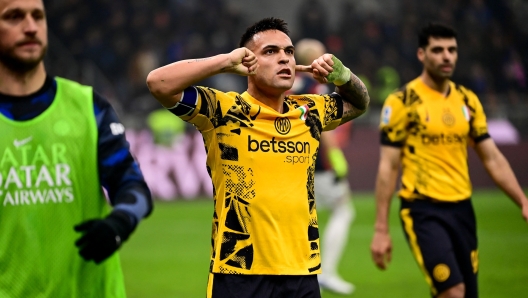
{"points": [[381, 249], [243, 62], [327, 69], [320, 68]]}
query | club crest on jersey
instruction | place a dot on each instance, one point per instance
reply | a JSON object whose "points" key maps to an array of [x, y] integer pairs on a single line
{"points": [[386, 114], [304, 112], [282, 125], [448, 118]]}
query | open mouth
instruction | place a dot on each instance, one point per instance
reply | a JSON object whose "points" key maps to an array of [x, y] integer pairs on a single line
{"points": [[284, 72]]}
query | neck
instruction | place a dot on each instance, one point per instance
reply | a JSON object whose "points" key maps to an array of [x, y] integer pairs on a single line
{"points": [[274, 101], [439, 84], [21, 84]]}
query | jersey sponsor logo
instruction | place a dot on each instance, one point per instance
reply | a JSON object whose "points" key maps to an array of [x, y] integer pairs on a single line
{"points": [[117, 128], [278, 147], [35, 175], [441, 272], [33, 197], [282, 125], [386, 114], [300, 150], [443, 139], [22, 142]]}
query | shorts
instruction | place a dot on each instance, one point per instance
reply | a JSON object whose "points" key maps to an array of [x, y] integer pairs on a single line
{"points": [[443, 240], [262, 286], [329, 192]]}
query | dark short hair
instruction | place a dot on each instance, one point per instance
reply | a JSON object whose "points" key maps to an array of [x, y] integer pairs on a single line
{"points": [[434, 30], [263, 25]]}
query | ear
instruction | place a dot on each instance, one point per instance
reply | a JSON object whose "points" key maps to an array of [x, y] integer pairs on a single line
{"points": [[420, 54]]}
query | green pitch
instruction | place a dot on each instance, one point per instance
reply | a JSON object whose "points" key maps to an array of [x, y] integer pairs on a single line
{"points": [[168, 256]]}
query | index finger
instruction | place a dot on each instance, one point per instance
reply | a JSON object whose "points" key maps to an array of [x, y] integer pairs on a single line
{"points": [[303, 68]]}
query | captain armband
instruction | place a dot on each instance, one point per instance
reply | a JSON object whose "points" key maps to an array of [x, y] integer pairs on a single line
{"points": [[187, 104]]}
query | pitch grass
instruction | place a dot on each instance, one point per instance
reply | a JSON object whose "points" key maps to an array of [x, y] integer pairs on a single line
{"points": [[168, 256]]}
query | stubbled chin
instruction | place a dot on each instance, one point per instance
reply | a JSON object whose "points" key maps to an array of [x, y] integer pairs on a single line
{"points": [[286, 85]]}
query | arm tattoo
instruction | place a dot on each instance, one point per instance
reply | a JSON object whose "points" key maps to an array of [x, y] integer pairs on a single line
{"points": [[355, 98], [198, 60]]}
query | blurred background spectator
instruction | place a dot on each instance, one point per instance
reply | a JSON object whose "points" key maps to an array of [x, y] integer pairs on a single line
{"points": [[113, 44]]}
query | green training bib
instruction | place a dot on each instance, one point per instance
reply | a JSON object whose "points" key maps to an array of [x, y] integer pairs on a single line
{"points": [[48, 184]]}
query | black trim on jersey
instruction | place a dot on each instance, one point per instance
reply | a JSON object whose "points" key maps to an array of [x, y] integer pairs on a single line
{"points": [[404, 95], [228, 152], [339, 104], [458, 88], [314, 268], [204, 108], [285, 109], [481, 138], [385, 140], [182, 109], [466, 101]]}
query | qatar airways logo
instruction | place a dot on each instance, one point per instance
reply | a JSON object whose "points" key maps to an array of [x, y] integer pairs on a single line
{"points": [[34, 174]]}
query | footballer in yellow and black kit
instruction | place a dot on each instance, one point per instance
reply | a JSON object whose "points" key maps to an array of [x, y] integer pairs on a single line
{"points": [[264, 221], [434, 132]]}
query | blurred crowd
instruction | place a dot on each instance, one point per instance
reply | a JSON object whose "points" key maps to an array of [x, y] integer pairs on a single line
{"points": [[381, 44], [125, 39]]}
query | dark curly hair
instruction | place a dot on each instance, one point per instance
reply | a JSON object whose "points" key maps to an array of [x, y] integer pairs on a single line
{"points": [[263, 25], [434, 30]]}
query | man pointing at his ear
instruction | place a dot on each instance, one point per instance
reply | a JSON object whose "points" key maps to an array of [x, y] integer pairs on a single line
{"points": [[261, 149]]}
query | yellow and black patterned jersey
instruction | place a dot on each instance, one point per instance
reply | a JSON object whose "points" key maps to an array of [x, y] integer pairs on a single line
{"points": [[433, 132], [261, 163]]}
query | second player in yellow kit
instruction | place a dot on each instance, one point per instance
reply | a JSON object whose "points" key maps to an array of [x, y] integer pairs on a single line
{"points": [[426, 128], [434, 132]]}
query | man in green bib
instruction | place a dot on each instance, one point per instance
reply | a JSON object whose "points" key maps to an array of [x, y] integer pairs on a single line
{"points": [[60, 143]]}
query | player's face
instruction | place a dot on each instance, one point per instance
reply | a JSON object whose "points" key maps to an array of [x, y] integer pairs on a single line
{"points": [[439, 57], [23, 34], [275, 53]]}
